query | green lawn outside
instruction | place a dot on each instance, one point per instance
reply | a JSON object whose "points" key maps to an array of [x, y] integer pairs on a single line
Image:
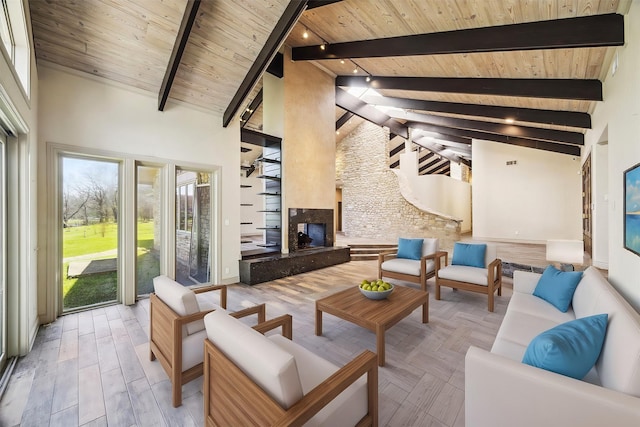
{"points": [[99, 288]]}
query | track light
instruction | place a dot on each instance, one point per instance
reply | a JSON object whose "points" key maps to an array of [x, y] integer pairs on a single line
{"points": [[305, 35]]}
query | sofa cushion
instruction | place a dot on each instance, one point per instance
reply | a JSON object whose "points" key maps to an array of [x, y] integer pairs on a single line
{"points": [[570, 348], [192, 353], [463, 273], [410, 248], [557, 287], [534, 306], [180, 299], [406, 266], [275, 371], [348, 408], [429, 246], [619, 362], [521, 328], [469, 254]]}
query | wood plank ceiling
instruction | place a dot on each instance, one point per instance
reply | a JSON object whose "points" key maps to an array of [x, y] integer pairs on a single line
{"points": [[448, 70]]}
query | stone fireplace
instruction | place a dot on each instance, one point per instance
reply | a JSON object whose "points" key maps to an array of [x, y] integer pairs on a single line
{"points": [[317, 224]]}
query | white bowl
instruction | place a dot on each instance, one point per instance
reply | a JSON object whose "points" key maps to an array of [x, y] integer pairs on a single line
{"points": [[376, 294]]}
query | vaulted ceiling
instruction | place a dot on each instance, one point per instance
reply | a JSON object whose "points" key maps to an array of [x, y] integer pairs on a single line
{"points": [[521, 72]]}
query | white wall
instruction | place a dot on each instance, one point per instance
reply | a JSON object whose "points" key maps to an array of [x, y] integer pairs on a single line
{"points": [[620, 115], [537, 199], [600, 202], [87, 112], [438, 194]]}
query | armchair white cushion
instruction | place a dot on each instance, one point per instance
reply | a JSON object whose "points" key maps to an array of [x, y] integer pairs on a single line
{"points": [[486, 280], [411, 270], [183, 301], [287, 372]]}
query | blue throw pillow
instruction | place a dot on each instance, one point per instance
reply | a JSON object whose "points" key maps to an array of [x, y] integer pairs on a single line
{"points": [[570, 349], [557, 287], [469, 254], [410, 248]]}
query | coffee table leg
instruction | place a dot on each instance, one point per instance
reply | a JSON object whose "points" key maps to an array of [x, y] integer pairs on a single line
{"points": [[380, 344], [318, 322], [425, 311]]}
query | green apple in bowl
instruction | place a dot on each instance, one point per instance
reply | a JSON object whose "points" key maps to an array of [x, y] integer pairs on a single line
{"points": [[376, 288]]}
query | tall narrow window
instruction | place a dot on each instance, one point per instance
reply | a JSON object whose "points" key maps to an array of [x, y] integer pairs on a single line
{"points": [[90, 214], [149, 227], [193, 226], [15, 39]]}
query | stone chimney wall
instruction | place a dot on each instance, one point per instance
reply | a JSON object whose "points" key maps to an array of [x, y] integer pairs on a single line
{"points": [[371, 201]]}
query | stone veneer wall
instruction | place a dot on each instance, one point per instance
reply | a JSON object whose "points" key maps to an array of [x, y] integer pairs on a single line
{"points": [[371, 201]]}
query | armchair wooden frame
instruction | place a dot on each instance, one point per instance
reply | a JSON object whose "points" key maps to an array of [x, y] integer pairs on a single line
{"points": [[421, 279], [494, 282], [232, 398], [165, 337]]}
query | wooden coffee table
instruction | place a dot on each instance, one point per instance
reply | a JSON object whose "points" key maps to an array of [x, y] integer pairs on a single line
{"points": [[374, 315]]}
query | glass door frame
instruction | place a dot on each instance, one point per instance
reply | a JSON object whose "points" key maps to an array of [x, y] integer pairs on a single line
{"points": [[3, 250], [59, 155]]}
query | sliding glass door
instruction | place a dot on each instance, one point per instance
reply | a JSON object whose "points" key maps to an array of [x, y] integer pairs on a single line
{"points": [[3, 250], [90, 220], [148, 226], [193, 226]]}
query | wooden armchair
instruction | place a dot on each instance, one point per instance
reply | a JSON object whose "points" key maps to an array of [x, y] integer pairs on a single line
{"points": [[485, 279], [177, 331], [251, 379], [410, 270]]}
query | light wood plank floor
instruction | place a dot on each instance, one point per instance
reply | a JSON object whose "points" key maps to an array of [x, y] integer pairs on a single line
{"points": [[93, 368]]}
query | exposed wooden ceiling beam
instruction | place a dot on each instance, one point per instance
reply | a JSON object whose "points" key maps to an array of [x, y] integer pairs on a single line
{"points": [[429, 165], [568, 33], [441, 151], [258, 138], [539, 134], [589, 90], [554, 117], [319, 3], [251, 109], [396, 150], [541, 145], [189, 17], [348, 102], [426, 157], [286, 22], [343, 119]]}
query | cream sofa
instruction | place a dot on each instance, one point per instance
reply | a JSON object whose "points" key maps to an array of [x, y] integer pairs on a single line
{"points": [[502, 391]]}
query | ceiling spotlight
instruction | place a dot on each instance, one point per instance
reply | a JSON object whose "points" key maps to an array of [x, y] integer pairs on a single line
{"points": [[342, 61], [323, 46], [305, 35], [355, 70], [509, 120], [337, 132], [368, 79]]}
